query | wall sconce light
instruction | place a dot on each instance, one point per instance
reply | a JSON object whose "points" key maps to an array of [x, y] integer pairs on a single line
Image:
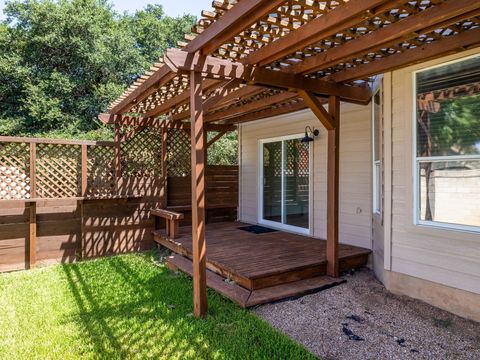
{"points": [[310, 134]]}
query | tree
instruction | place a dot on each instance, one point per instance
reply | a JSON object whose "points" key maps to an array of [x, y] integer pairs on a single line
{"points": [[225, 150], [62, 62], [154, 31]]}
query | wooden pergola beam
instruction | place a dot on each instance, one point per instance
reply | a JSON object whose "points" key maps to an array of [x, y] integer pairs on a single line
{"points": [[143, 122], [233, 22], [342, 17], [211, 101], [439, 48], [392, 34], [225, 69], [178, 100], [253, 106], [144, 90], [234, 96], [218, 101], [221, 94], [198, 196], [267, 113]]}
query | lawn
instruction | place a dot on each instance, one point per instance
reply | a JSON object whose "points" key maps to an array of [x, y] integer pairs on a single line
{"points": [[126, 307]]}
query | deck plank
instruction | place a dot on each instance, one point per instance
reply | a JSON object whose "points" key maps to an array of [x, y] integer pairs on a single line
{"points": [[263, 260]]}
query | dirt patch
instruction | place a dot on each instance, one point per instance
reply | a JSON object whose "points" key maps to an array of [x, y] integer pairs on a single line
{"points": [[362, 320]]}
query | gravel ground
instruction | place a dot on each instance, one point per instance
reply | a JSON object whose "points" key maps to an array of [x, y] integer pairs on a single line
{"points": [[361, 320]]}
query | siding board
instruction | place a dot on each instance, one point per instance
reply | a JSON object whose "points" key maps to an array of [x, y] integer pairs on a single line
{"points": [[355, 169], [447, 257]]}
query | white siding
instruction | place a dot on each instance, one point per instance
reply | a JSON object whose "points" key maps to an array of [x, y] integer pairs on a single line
{"points": [[355, 169], [443, 256]]}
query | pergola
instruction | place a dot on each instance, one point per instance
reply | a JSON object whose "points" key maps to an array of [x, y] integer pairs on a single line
{"points": [[252, 59]]}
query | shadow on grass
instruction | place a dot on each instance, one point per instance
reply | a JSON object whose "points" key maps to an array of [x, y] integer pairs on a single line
{"points": [[129, 307]]}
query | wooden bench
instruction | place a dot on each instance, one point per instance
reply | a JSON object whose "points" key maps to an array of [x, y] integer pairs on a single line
{"points": [[172, 220]]}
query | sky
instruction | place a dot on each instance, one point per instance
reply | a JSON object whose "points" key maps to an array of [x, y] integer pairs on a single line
{"points": [[171, 7]]}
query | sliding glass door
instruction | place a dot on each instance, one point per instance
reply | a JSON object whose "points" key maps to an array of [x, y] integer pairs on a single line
{"points": [[285, 184]]}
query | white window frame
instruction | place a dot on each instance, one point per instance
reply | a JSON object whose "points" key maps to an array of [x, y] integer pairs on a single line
{"points": [[418, 159], [376, 165], [274, 224]]}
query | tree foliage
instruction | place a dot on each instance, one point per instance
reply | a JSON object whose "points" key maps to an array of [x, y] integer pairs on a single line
{"points": [[62, 62], [224, 150]]}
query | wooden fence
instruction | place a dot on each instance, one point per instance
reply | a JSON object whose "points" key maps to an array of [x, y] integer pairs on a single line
{"points": [[71, 200], [221, 195]]}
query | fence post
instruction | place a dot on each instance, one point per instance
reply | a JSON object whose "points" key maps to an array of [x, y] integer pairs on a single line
{"points": [[33, 172], [32, 237], [163, 191], [118, 158], [84, 170], [80, 203]]}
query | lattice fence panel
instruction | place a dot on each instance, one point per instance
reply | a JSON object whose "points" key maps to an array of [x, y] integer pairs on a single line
{"points": [[142, 154], [14, 171], [178, 153], [297, 158], [58, 170], [101, 171]]}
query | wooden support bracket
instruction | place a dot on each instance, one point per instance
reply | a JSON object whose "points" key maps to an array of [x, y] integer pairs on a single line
{"points": [[317, 108]]}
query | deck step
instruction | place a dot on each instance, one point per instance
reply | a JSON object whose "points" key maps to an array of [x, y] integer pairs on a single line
{"points": [[292, 290], [231, 291], [246, 298]]}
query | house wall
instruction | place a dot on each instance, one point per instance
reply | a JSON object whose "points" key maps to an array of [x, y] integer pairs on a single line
{"points": [[355, 169], [437, 265], [447, 262]]}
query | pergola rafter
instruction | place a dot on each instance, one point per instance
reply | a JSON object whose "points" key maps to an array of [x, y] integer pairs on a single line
{"points": [[252, 59]]}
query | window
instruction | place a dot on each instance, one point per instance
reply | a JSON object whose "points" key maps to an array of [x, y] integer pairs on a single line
{"points": [[447, 154], [377, 155]]}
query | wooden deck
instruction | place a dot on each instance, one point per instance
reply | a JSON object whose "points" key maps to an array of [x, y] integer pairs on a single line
{"points": [[260, 262]]}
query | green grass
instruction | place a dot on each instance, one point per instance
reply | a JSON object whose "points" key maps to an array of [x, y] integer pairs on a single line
{"points": [[126, 307]]}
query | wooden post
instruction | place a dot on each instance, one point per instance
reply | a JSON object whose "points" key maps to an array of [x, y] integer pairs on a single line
{"points": [[164, 167], [80, 203], [32, 237], [118, 155], [333, 187], [81, 251], [84, 181], [33, 171], [198, 196]]}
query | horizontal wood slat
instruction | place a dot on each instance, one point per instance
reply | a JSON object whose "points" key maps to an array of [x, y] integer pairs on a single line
{"points": [[221, 193]]}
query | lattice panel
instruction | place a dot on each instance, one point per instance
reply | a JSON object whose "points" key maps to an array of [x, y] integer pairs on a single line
{"points": [[14, 171], [291, 15], [101, 171], [58, 171], [265, 94], [178, 153], [171, 89], [417, 41], [142, 154], [297, 158]]}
